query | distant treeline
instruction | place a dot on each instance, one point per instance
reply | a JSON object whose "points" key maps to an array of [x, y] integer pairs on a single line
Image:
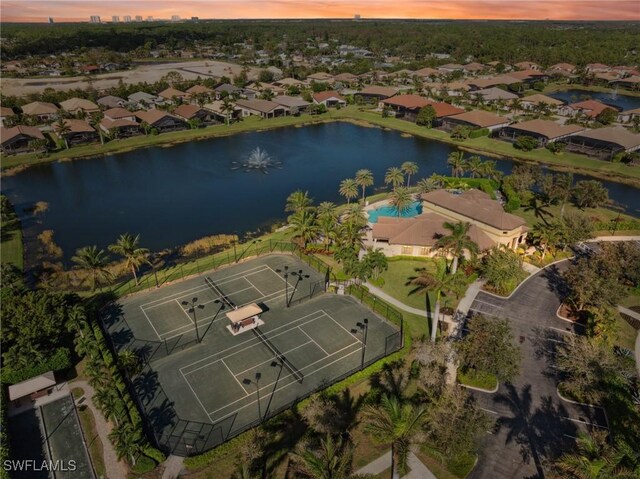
{"points": [[543, 42]]}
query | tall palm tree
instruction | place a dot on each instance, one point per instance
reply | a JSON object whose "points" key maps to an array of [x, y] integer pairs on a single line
{"points": [[397, 424], [348, 189], [364, 178], [401, 199], [126, 440], [409, 168], [394, 177], [85, 345], [474, 166], [331, 461], [435, 279], [227, 108], [456, 162], [327, 219], [516, 105], [62, 128], [127, 247], [128, 360], [490, 170], [304, 225], [547, 235], [298, 200], [456, 242], [95, 261], [106, 400], [425, 185]]}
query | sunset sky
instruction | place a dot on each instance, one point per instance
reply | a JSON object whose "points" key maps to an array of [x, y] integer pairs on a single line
{"points": [[75, 10]]}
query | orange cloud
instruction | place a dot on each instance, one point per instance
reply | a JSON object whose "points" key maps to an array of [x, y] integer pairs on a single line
{"points": [[76, 10]]}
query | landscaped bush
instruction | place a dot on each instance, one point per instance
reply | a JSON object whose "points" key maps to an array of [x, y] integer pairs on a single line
{"points": [[154, 454], [59, 361], [479, 132], [513, 199], [526, 143], [143, 464]]}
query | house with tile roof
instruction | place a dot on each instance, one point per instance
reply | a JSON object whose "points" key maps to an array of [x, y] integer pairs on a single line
{"points": [[160, 120], [41, 110], [544, 131], [589, 108], [18, 139], [475, 119], [603, 143], [75, 132], [76, 106], [329, 99]]}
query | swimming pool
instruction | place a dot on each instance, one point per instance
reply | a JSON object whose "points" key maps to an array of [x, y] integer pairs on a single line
{"points": [[414, 210]]}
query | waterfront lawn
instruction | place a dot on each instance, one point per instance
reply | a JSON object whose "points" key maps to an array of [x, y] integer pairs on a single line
{"points": [[11, 243]]}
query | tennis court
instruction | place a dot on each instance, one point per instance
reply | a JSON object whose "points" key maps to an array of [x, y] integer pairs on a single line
{"points": [[197, 394]]}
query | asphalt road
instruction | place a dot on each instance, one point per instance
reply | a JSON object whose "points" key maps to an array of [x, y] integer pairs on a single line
{"points": [[533, 424]]}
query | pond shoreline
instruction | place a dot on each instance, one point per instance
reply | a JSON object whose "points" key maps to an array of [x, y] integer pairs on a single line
{"points": [[349, 115]]}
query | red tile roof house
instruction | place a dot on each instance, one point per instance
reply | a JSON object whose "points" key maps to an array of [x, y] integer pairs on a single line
{"points": [[173, 96], [200, 91], [192, 112], [329, 99], [77, 106], [261, 108], [544, 131], [475, 119], [407, 107], [79, 131], [590, 108], [120, 123], [41, 110], [5, 112], [17, 139], [161, 120], [490, 224]]}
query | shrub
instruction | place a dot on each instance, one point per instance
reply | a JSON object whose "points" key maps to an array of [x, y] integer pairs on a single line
{"points": [[154, 454], [479, 132], [143, 465], [57, 362], [513, 199], [526, 143]]}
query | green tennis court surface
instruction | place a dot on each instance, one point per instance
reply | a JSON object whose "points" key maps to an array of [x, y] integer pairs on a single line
{"points": [[198, 394]]}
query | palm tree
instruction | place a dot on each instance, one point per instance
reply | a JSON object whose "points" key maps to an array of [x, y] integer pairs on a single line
{"points": [[98, 375], [127, 247], [516, 105], [62, 128], [227, 108], [85, 345], [401, 199], [456, 242], [106, 400], [126, 441], [298, 200], [489, 170], [348, 189], [331, 461], [364, 178], [377, 261], [409, 168], [537, 206], [395, 423], [128, 360], [93, 260], [327, 221], [267, 94], [350, 233], [304, 225], [425, 185], [394, 177], [456, 162], [146, 127], [435, 279], [547, 235], [474, 166]]}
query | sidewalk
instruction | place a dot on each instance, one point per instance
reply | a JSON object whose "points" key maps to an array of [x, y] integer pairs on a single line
{"points": [[394, 302], [417, 470]]}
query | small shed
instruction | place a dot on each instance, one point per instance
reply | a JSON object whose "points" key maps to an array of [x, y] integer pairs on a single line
{"points": [[33, 388]]}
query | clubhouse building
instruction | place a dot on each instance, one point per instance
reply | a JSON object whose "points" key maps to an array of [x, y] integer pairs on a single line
{"points": [[490, 224]]}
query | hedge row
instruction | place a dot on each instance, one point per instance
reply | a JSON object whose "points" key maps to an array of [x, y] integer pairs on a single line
{"points": [[513, 199], [60, 360], [479, 132]]}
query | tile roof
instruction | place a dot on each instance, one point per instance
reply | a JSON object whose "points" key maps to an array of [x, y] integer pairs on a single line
{"points": [[480, 118], [152, 116], [197, 89], [73, 104], [408, 101], [327, 95], [614, 134], [263, 106], [111, 101], [540, 98], [445, 109], [30, 386], [7, 134], [379, 91], [76, 126], [593, 106], [6, 111], [187, 111], [290, 101], [546, 128], [119, 123], [116, 113], [496, 94], [39, 108], [171, 93]]}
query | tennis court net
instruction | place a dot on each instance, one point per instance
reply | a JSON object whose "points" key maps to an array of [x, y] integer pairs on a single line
{"points": [[283, 360], [215, 289]]}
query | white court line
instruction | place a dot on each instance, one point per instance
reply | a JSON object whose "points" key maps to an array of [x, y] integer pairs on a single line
{"points": [[154, 328], [185, 312], [284, 353], [314, 342], [180, 293], [253, 339], [197, 397], [271, 269], [280, 388], [235, 377], [331, 318], [254, 286]]}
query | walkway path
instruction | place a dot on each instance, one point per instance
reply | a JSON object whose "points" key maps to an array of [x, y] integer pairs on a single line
{"points": [[173, 466], [393, 301], [114, 469], [417, 470]]}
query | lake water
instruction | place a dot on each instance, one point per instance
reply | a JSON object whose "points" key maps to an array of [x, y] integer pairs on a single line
{"points": [[625, 102], [174, 195]]}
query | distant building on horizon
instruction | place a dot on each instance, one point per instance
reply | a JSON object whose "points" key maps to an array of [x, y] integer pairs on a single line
{"points": [[356, 17], [95, 19], [138, 18], [149, 18], [115, 19], [175, 18], [195, 19], [50, 20], [127, 18]]}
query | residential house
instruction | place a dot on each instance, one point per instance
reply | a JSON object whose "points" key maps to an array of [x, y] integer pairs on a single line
{"points": [[329, 99], [403, 76], [629, 116], [225, 89], [79, 106], [111, 101], [417, 236], [145, 100], [77, 132], [200, 93], [529, 76], [346, 79], [322, 77], [161, 120], [451, 67], [261, 108], [474, 68], [493, 95], [119, 114], [453, 89], [221, 115], [544, 131], [427, 74], [475, 119], [193, 112], [373, 94], [527, 66], [41, 110], [289, 82], [533, 102], [483, 83], [406, 107], [631, 82], [588, 108], [119, 122], [295, 105], [563, 69], [18, 138], [6, 113], [173, 96], [603, 143], [597, 68]]}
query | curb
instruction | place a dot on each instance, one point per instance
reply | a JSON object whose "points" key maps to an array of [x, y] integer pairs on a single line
{"points": [[606, 417], [482, 390]]}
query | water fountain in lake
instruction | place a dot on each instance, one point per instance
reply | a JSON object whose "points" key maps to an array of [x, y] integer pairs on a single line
{"points": [[258, 160]]}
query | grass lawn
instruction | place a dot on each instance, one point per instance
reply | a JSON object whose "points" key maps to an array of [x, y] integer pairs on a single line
{"points": [[397, 275], [11, 249], [477, 379], [596, 214], [94, 443], [627, 333]]}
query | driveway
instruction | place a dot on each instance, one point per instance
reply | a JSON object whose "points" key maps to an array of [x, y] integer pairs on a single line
{"points": [[532, 423]]}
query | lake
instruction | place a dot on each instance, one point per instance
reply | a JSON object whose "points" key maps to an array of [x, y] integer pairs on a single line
{"points": [[177, 194], [625, 102]]}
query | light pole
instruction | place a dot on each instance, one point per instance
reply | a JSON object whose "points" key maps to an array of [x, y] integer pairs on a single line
{"points": [[248, 381], [285, 275], [362, 327], [192, 309], [274, 364]]}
